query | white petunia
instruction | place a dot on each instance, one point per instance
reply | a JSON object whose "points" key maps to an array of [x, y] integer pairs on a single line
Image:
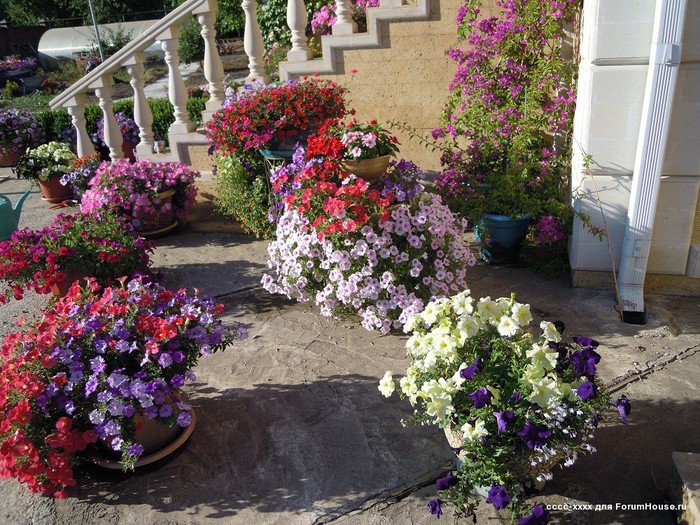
{"points": [[550, 332], [544, 391], [507, 326], [387, 385], [521, 313], [476, 431], [543, 356]]}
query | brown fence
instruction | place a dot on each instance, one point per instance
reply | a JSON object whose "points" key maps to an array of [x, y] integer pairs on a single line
{"points": [[20, 40]]}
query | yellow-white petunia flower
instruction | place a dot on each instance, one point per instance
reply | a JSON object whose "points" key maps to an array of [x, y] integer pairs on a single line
{"points": [[476, 431]]}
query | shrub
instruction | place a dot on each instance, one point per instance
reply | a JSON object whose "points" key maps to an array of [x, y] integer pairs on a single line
{"points": [[244, 194]]}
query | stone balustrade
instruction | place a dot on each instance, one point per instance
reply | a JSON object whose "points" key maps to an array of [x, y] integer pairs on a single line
{"points": [[167, 32]]}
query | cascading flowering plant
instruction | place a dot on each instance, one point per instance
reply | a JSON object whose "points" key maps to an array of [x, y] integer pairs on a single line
{"points": [[259, 115], [101, 247], [93, 362], [513, 405], [365, 141], [131, 190], [127, 127], [381, 252], [84, 169], [19, 129], [45, 162], [15, 63]]}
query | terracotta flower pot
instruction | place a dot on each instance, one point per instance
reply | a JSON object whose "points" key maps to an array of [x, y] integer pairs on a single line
{"points": [[7, 156], [53, 191], [160, 221], [368, 169]]}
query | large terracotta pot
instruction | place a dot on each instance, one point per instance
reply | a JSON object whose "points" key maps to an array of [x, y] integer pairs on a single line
{"points": [[53, 191], [159, 222], [158, 441], [368, 169]]}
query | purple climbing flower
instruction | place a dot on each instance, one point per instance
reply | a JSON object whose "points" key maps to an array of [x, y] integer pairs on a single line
{"points": [[586, 342]]}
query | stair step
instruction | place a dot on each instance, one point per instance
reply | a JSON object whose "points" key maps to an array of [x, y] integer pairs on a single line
{"points": [[686, 489]]}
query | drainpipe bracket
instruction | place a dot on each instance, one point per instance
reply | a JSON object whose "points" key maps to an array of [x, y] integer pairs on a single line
{"points": [[667, 54], [630, 317]]}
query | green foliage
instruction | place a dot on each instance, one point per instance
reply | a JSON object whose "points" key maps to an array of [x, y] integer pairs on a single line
{"points": [[244, 194], [272, 17], [12, 90], [191, 43], [112, 41]]}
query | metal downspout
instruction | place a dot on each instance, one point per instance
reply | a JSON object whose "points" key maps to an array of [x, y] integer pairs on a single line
{"points": [[664, 61]]}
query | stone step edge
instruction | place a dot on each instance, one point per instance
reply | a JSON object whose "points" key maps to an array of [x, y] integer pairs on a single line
{"points": [[685, 489]]}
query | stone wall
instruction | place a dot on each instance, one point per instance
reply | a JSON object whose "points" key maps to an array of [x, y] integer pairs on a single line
{"points": [[407, 79]]}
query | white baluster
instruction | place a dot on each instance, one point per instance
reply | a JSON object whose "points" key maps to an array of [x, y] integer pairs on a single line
{"points": [[177, 91], [142, 111], [112, 133], [253, 43], [296, 20], [344, 24], [391, 3], [76, 109], [213, 68]]}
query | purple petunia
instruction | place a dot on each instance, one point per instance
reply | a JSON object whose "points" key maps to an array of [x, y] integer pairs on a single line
{"points": [[446, 481], [539, 516], [533, 435], [473, 369], [498, 496], [481, 397], [624, 407], [502, 420], [435, 508], [585, 362], [587, 390]]}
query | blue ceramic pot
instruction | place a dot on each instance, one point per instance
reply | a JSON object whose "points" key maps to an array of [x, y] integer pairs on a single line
{"points": [[500, 237]]}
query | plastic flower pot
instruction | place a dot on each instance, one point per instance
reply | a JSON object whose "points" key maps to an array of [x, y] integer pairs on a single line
{"points": [[500, 237]]}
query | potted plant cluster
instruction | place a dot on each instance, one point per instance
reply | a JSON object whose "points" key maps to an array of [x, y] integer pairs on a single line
{"points": [[513, 405], [368, 148], [379, 252], [130, 136], [84, 169], [49, 259], [511, 102], [67, 388], [45, 165], [151, 196], [19, 130], [259, 120]]}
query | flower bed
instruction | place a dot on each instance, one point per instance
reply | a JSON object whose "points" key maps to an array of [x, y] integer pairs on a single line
{"points": [[94, 361], [515, 404]]}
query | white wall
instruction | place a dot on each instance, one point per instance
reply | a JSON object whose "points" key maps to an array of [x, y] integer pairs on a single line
{"points": [[615, 43]]}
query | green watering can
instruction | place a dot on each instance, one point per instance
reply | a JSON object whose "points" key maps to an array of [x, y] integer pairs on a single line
{"points": [[9, 215]]}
